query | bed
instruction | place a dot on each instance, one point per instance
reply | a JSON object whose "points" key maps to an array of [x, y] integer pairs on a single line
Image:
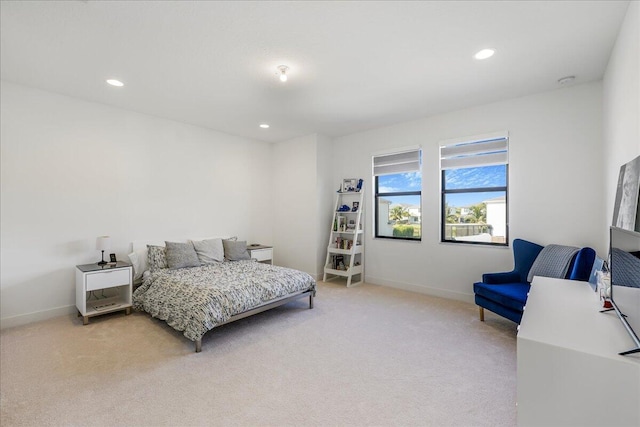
{"points": [[198, 298]]}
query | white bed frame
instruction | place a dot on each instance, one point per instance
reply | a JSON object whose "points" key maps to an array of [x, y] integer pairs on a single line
{"points": [[138, 244]]}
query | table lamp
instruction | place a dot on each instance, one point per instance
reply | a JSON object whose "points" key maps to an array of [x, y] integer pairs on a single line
{"points": [[103, 243]]}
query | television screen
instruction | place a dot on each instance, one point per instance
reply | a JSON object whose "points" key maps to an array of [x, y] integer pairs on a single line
{"points": [[624, 263]]}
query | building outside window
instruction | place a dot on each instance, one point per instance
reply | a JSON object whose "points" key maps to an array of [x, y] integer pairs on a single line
{"points": [[398, 195], [474, 189]]}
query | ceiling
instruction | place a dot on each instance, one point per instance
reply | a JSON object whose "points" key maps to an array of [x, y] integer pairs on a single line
{"points": [[354, 65]]}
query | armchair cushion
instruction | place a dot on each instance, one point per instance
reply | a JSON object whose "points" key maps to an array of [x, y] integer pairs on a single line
{"points": [[511, 295]]}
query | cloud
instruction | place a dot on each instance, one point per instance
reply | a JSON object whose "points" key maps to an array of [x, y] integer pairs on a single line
{"points": [[400, 182]]}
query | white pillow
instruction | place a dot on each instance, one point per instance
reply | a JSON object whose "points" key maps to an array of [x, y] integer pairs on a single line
{"points": [[138, 259]]}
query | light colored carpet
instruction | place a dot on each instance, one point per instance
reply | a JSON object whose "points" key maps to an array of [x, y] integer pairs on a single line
{"points": [[364, 356]]}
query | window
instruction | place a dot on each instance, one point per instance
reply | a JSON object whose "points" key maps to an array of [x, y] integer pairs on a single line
{"points": [[398, 195], [474, 182]]}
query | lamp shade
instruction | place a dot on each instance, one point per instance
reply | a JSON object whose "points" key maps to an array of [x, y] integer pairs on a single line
{"points": [[103, 243]]}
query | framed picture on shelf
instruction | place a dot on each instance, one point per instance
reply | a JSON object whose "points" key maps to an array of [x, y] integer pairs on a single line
{"points": [[349, 185], [355, 207]]}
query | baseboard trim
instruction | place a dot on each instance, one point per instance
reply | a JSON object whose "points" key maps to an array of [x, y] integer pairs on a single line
{"points": [[421, 289], [24, 319]]}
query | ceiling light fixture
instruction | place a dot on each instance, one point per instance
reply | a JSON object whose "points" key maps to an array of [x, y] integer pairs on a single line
{"points": [[282, 72], [484, 54], [114, 82], [264, 126], [566, 80]]}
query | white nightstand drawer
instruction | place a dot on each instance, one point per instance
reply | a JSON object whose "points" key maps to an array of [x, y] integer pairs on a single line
{"points": [[107, 279], [262, 254]]}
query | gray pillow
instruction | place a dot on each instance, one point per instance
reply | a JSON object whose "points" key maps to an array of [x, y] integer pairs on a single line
{"points": [[181, 255], [235, 250], [209, 251]]}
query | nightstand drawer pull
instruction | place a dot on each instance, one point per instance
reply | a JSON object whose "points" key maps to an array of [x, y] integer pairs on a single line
{"points": [[100, 280]]}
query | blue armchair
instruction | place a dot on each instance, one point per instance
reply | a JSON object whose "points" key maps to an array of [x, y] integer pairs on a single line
{"points": [[506, 293]]}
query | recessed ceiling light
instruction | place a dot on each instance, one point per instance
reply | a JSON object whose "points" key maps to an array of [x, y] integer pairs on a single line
{"points": [[264, 126], [114, 82], [484, 54], [566, 80]]}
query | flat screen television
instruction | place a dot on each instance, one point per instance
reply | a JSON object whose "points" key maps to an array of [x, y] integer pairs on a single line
{"points": [[624, 265]]}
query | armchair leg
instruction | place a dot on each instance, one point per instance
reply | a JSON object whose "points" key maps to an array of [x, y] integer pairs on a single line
{"points": [[481, 314]]}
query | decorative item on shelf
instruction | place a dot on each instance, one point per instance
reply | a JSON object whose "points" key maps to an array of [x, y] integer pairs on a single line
{"points": [[335, 224], [103, 243], [342, 223], [344, 208], [355, 207], [359, 186], [604, 288], [349, 185]]}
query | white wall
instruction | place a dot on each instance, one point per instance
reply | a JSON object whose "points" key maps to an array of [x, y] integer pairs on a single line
{"points": [[326, 188], [302, 202], [294, 197], [74, 170], [555, 186], [621, 100]]}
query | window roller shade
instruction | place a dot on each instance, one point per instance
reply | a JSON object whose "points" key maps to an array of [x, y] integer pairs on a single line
{"points": [[408, 161], [474, 154]]}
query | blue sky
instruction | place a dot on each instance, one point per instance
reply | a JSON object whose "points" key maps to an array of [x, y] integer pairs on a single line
{"points": [[486, 176], [401, 182]]}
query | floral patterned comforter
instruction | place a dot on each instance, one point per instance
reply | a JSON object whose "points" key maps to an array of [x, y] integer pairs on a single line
{"points": [[194, 300]]}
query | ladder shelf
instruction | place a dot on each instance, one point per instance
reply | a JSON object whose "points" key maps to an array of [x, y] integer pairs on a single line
{"points": [[345, 249]]}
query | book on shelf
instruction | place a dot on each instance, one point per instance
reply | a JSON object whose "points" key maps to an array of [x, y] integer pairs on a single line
{"points": [[338, 262]]}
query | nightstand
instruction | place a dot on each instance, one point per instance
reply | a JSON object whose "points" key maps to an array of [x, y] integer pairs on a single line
{"points": [[261, 253], [102, 289]]}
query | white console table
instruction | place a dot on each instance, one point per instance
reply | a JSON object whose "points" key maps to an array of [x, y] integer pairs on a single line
{"points": [[569, 370]]}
